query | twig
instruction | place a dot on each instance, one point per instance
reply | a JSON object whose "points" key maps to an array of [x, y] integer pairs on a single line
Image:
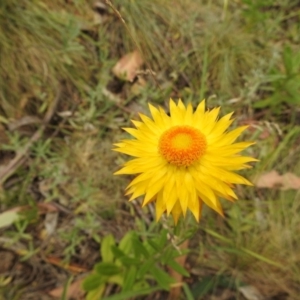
{"points": [[20, 157]]}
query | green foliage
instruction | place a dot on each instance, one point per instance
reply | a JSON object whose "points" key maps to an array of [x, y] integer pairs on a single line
{"points": [[283, 83], [132, 264]]}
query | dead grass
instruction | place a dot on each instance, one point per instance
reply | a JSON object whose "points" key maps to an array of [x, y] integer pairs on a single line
{"points": [[42, 45]]}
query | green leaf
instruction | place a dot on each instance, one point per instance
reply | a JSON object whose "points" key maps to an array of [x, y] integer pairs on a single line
{"points": [[178, 268], [8, 218], [96, 294], [130, 278], [154, 245], [66, 287], [269, 101], [167, 255], [126, 243], [129, 261], [116, 279], [188, 293], [218, 236], [288, 60], [123, 258], [202, 288], [118, 253], [149, 248], [130, 294], [106, 251], [107, 268], [292, 86], [262, 258], [163, 238], [161, 277], [139, 248], [92, 282], [145, 268]]}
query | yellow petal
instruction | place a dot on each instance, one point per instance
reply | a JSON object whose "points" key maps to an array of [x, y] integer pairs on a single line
{"points": [[177, 187], [176, 212], [160, 206]]}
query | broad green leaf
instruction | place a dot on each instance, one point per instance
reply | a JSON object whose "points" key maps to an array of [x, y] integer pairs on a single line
{"points": [[149, 248], [144, 268], [106, 252], [168, 254], [154, 245], [126, 243], [162, 277], [116, 279], [139, 248], [107, 268], [92, 282], [130, 278], [8, 218], [96, 294], [129, 261], [123, 258], [118, 253]]}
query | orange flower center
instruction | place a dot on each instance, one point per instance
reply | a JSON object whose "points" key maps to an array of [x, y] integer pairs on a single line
{"points": [[182, 145]]}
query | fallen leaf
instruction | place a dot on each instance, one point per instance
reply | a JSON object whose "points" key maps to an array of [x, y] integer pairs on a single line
{"points": [[127, 67], [50, 222], [273, 180], [74, 291], [8, 218], [251, 293], [47, 207]]}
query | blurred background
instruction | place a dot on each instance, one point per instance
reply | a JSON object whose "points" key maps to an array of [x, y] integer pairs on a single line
{"points": [[72, 74]]}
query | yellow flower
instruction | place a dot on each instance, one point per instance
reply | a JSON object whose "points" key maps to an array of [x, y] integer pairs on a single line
{"points": [[184, 159]]}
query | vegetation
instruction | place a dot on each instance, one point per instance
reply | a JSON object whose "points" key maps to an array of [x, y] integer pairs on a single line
{"points": [[64, 217]]}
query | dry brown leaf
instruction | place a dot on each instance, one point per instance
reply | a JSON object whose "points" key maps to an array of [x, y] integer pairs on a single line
{"points": [[50, 222], [251, 293], [74, 291], [128, 65], [273, 180]]}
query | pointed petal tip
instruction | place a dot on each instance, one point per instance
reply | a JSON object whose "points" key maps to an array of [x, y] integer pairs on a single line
{"points": [[221, 213], [176, 219], [172, 103]]}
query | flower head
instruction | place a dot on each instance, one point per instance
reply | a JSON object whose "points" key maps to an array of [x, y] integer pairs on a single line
{"points": [[184, 160]]}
